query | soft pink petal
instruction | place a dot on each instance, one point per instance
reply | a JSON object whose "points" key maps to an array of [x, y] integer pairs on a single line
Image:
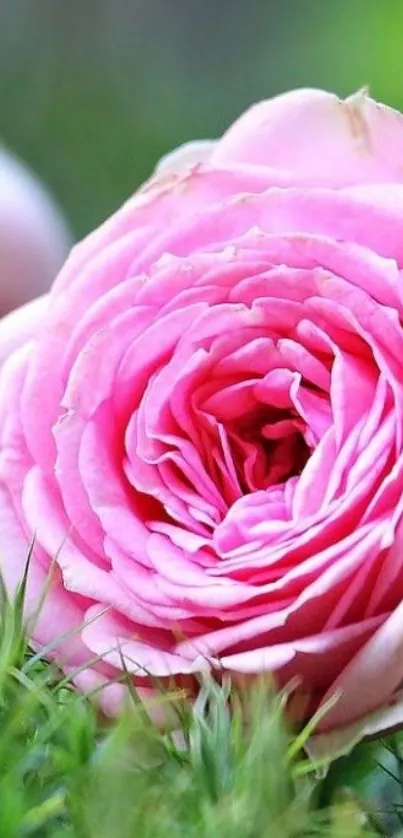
{"points": [[187, 155], [317, 138], [22, 326], [371, 677]]}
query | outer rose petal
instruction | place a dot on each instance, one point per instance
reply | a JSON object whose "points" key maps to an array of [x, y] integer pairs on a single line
{"points": [[185, 156], [341, 740], [21, 325], [371, 677], [59, 614], [318, 139]]}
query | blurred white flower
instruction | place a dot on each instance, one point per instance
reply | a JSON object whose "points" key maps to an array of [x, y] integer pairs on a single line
{"points": [[34, 239]]}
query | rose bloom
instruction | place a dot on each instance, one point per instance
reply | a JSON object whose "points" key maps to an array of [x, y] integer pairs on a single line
{"points": [[202, 426], [34, 239]]}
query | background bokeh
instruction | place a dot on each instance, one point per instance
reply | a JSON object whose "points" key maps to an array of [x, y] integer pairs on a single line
{"points": [[92, 92]]}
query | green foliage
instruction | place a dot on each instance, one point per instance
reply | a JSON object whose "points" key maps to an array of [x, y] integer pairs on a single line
{"points": [[232, 768]]}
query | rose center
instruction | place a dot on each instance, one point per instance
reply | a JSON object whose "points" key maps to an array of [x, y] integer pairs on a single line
{"points": [[267, 447]]}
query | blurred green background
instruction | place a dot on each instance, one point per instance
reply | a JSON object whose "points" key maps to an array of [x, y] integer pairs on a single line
{"points": [[92, 92]]}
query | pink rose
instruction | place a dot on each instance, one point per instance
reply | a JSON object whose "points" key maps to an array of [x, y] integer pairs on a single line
{"points": [[205, 430], [34, 240]]}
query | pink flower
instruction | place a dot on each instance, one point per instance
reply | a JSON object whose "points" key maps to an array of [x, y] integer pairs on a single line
{"points": [[33, 237], [203, 425]]}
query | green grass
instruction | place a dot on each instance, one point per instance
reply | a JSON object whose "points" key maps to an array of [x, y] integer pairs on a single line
{"points": [[67, 773]]}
